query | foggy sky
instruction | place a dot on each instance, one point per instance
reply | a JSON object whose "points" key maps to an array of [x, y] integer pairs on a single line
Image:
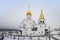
{"points": [[12, 12]]}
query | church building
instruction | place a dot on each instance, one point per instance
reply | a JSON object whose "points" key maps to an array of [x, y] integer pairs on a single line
{"points": [[29, 26]]}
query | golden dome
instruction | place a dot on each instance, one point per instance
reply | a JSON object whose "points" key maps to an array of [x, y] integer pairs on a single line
{"points": [[28, 12], [41, 15]]}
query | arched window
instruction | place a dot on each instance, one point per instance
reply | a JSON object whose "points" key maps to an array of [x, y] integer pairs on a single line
{"points": [[34, 29], [43, 21], [40, 21]]}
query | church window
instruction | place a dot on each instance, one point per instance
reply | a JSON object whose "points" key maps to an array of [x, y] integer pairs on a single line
{"points": [[43, 21], [34, 29], [40, 21], [46, 29], [21, 32]]}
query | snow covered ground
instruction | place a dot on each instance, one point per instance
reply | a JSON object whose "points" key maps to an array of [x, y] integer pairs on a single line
{"points": [[34, 38]]}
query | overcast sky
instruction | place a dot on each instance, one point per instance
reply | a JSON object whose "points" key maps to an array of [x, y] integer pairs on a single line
{"points": [[12, 12]]}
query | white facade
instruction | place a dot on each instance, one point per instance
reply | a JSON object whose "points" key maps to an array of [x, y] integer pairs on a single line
{"points": [[26, 26], [29, 27]]}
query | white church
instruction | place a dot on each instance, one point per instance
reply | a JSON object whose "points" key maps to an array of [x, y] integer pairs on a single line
{"points": [[30, 30], [29, 26]]}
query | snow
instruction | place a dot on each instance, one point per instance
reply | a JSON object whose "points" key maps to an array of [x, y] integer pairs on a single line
{"points": [[27, 38]]}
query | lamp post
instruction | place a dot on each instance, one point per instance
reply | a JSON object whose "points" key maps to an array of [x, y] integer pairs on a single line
{"points": [[49, 33], [30, 37]]}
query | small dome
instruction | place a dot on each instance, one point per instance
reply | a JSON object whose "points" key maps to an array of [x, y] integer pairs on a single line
{"points": [[41, 15], [28, 12]]}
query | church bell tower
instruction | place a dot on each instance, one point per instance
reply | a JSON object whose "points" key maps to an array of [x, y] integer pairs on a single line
{"points": [[28, 14], [41, 18]]}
